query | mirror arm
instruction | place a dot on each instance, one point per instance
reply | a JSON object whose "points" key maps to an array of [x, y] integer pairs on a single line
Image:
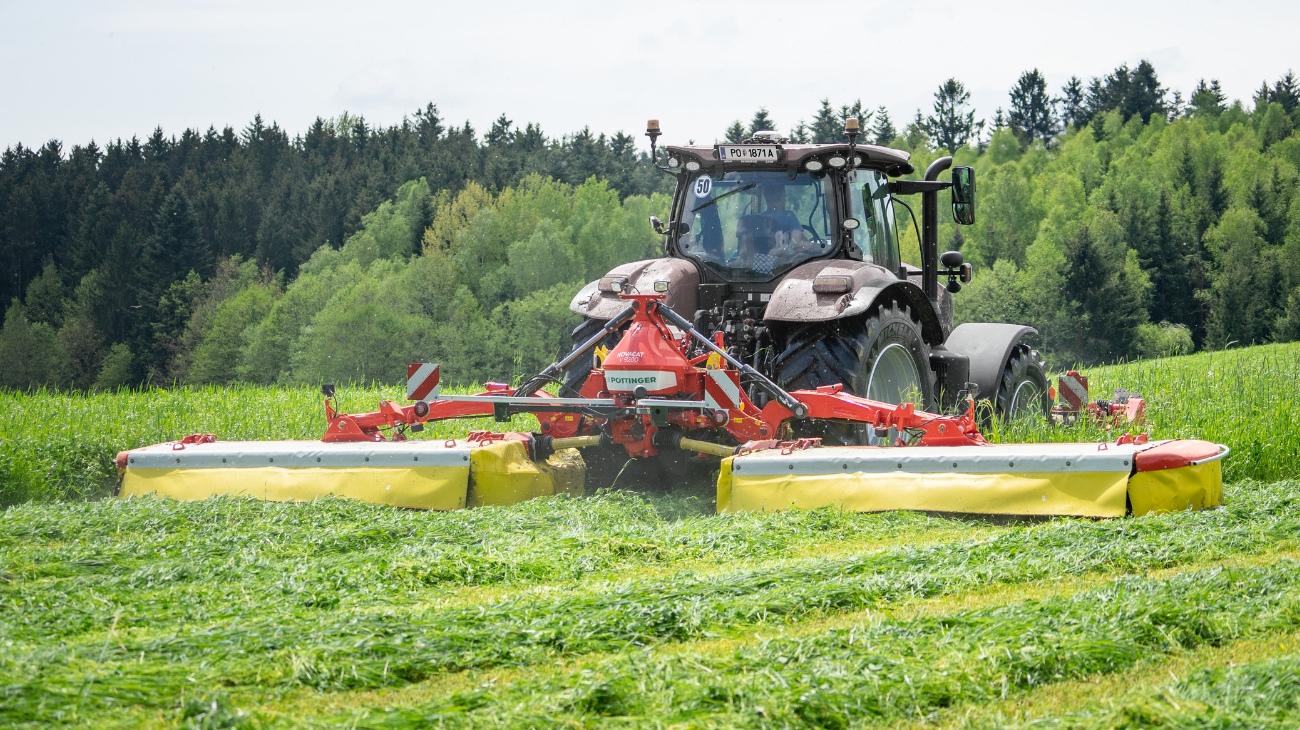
{"points": [[912, 187], [930, 229]]}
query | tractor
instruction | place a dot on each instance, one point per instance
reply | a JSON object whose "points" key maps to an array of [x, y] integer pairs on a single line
{"points": [[787, 255]]}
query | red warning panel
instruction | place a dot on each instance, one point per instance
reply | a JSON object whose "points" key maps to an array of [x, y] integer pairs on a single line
{"points": [[421, 380], [1073, 388]]}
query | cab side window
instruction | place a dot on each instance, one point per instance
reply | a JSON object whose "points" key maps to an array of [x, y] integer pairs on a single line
{"points": [[875, 235]]}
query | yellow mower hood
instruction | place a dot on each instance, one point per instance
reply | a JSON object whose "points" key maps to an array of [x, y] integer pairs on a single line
{"points": [[421, 474]]}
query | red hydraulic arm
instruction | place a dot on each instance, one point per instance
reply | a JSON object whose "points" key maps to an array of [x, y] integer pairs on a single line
{"points": [[678, 395]]}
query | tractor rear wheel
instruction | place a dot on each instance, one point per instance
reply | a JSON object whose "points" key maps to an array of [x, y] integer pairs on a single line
{"points": [[1023, 392], [882, 357]]}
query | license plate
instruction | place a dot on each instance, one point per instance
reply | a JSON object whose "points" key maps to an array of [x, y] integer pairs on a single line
{"points": [[749, 153]]}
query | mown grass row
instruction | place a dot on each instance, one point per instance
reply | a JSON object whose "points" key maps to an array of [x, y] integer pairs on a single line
{"points": [[1257, 694], [61, 446], [886, 669], [151, 644], [66, 561]]}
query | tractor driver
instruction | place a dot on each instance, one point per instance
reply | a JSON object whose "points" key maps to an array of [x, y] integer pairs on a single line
{"points": [[772, 238], [789, 237]]}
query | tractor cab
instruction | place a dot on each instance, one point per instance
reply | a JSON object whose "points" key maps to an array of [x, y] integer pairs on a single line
{"points": [[749, 213]]}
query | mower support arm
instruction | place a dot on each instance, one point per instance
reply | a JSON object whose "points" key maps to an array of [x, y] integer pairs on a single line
{"points": [[553, 370], [792, 404], [911, 187], [915, 428]]}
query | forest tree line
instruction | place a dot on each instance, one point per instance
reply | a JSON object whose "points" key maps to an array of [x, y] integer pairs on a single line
{"points": [[1120, 219]]}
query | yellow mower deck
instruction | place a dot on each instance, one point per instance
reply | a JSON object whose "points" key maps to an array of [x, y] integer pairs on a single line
{"points": [[423, 474], [1084, 480]]}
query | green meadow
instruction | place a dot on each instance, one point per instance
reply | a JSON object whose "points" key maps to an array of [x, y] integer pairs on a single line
{"points": [[622, 609]]}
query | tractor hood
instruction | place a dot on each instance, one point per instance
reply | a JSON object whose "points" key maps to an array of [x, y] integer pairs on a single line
{"points": [[598, 300]]}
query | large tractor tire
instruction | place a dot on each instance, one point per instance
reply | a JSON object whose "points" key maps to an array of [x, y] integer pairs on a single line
{"points": [[603, 463], [1023, 392], [576, 374], [882, 357]]}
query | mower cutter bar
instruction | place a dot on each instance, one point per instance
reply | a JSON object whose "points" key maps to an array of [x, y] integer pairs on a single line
{"points": [[1077, 479]]}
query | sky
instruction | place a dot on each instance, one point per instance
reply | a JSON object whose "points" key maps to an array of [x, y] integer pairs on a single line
{"points": [[77, 71]]}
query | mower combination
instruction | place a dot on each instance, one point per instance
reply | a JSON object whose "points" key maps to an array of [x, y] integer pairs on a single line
{"points": [[781, 342]]}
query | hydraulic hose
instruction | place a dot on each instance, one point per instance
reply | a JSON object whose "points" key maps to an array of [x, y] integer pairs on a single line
{"points": [[555, 369]]}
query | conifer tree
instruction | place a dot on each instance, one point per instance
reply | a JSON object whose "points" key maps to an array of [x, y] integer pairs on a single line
{"points": [[1261, 95], [761, 121], [952, 125], [1072, 102], [1146, 97], [1030, 116], [1286, 92], [883, 133], [826, 127], [1208, 99]]}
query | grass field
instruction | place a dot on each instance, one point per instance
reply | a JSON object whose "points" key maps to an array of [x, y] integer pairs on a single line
{"points": [[621, 609]]}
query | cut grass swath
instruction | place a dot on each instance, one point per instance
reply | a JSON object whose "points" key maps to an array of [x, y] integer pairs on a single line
{"points": [[895, 669], [188, 615]]}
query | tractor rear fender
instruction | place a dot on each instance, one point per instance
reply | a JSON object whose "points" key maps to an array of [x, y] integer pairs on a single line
{"points": [[989, 347], [598, 300], [821, 291]]}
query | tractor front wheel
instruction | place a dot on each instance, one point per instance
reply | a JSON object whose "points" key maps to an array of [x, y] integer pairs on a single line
{"points": [[1023, 392], [576, 374]]}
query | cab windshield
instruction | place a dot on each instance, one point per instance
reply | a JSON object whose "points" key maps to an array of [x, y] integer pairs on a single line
{"points": [[755, 225]]}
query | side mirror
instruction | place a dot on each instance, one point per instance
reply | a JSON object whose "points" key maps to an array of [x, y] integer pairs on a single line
{"points": [[658, 225], [956, 269], [963, 195]]}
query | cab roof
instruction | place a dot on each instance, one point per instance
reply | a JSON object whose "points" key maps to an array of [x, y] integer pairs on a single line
{"points": [[891, 161]]}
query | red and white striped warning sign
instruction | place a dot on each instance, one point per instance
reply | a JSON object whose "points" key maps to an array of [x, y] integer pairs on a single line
{"points": [[1074, 390], [722, 389], [421, 381]]}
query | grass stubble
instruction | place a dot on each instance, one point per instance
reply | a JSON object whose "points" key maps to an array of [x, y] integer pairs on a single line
{"points": [[637, 610]]}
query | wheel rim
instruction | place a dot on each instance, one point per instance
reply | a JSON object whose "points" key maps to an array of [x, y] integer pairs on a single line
{"points": [[894, 377], [1026, 402]]}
